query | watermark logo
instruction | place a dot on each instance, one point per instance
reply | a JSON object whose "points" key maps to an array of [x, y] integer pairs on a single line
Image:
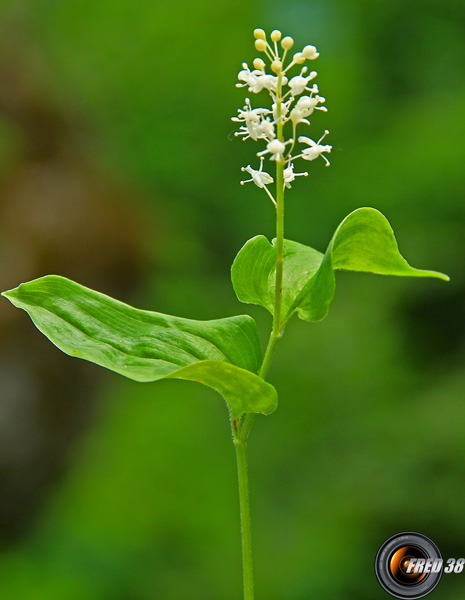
{"points": [[409, 565]]}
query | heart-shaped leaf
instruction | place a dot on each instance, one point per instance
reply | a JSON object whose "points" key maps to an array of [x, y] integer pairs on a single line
{"points": [[253, 273], [364, 241], [223, 354]]}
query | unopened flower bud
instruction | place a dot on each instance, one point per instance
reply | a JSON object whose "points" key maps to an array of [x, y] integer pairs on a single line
{"points": [[310, 52], [260, 45], [287, 43], [277, 66], [259, 64], [259, 34], [298, 58], [276, 35]]}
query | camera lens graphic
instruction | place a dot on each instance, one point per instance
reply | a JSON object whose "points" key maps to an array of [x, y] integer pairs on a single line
{"points": [[393, 560], [399, 563]]}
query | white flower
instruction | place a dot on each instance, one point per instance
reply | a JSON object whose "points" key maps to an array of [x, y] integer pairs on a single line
{"points": [[257, 80], [284, 109], [245, 75], [310, 52], [249, 114], [250, 78], [260, 178], [304, 108], [267, 82], [299, 83], [275, 148], [255, 125], [315, 149], [266, 129], [289, 175], [309, 103]]}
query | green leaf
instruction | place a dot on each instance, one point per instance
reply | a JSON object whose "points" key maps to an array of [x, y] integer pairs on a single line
{"points": [[223, 354], [253, 273], [364, 241], [243, 391]]}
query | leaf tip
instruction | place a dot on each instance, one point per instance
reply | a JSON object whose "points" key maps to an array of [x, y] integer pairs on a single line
{"points": [[9, 294], [438, 275]]}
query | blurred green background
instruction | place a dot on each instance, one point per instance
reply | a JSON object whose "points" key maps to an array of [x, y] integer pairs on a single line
{"points": [[118, 168]]}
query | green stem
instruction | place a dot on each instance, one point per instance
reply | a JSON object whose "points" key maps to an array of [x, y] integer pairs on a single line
{"points": [[244, 502], [277, 325], [241, 433], [269, 352], [276, 332]]}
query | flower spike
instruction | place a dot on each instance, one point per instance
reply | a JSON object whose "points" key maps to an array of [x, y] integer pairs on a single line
{"points": [[294, 98]]}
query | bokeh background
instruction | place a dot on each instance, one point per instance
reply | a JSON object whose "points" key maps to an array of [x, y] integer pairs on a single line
{"points": [[118, 168]]}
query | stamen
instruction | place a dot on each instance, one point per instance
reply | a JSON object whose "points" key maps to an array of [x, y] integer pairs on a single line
{"points": [[322, 138]]}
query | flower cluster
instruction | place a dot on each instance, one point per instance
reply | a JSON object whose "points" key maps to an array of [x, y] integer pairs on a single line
{"points": [[293, 100]]}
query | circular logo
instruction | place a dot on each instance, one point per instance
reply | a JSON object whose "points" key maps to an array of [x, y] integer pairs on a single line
{"points": [[408, 565]]}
